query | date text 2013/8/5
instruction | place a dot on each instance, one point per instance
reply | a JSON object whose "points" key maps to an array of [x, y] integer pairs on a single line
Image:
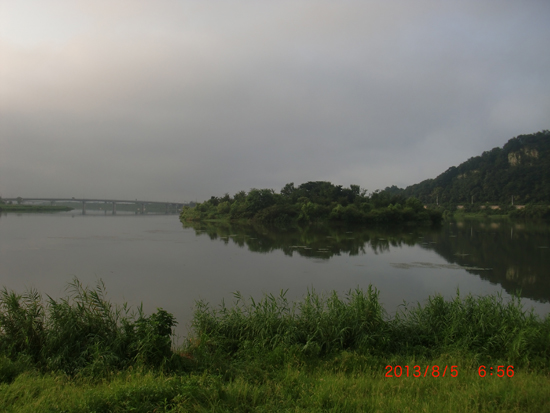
{"points": [[418, 371]]}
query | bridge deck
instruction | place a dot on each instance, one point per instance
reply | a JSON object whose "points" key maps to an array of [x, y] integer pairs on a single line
{"points": [[118, 201]]}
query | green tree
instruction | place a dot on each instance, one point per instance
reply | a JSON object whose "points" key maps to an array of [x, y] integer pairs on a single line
{"points": [[259, 199], [240, 196]]}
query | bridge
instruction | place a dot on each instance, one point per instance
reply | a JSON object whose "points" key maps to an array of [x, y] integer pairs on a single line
{"points": [[140, 205]]}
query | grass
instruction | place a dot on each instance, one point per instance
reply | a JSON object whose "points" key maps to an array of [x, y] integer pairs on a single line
{"points": [[485, 328], [344, 384], [323, 353], [83, 333]]}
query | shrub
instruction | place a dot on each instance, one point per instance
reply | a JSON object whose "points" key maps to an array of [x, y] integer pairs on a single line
{"points": [[223, 207], [277, 214], [484, 328], [82, 331]]}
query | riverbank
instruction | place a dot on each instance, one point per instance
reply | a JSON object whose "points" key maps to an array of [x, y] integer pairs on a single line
{"points": [[321, 353], [527, 212], [33, 208]]}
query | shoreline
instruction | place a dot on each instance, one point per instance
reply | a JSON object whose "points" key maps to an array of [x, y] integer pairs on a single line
{"points": [[336, 354], [33, 208]]}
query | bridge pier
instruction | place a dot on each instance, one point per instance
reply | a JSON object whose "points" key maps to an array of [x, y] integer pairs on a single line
{"points": [[114, 208], [83, 207]]}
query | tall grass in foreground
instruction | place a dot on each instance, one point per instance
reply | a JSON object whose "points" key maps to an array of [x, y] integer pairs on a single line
{"points": [[81, 332], [85, 333], [485, 328], [317, 324], [323, 353]]}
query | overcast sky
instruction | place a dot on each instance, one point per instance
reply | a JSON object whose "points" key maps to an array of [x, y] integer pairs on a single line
{"points": [[180, 100]]}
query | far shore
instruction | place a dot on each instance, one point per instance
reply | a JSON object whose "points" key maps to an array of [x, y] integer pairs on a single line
{"points": [[33, 208]]}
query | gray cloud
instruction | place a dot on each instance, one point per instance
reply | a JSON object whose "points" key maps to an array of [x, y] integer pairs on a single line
{"points": [[183, 100]]}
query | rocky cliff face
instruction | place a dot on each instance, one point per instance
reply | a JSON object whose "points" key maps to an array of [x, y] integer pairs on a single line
{"points": [[524, 156]]}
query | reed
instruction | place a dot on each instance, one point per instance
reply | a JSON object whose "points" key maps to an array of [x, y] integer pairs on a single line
{"points": [[318, 324], [324, 352], [486, 328], [86, 332], [82, 332], [483, 328]]}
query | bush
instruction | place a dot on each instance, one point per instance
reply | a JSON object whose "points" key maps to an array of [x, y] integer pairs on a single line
{"points": [[82, 331], [352, 214], [317, 325], [277, 214], [532, 212], [223, 208], [483, 328]]}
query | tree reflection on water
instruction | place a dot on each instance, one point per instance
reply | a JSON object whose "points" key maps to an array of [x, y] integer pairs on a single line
{"points": [[513, 255]]}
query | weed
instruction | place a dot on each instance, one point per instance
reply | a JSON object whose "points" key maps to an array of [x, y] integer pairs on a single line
{"points": [[82, 332]]}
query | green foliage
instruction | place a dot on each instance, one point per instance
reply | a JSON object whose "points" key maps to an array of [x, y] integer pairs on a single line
{"points": [[322, 353], [532, 212], [224, 208], [82, 331], [347, 382], [22, 320], [520, 169], [485, 328], [313, 202], [318, 325], [10, 369], [258, 199]]}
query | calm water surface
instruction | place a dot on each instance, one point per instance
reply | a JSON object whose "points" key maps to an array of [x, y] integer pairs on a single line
{"points": [[156, 260]]}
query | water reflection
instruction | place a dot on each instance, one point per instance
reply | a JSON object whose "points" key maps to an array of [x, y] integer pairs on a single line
{"points": [[517, 254], [513, 255], [315, 241]]}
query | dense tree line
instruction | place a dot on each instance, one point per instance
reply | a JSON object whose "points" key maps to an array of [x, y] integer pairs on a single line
{"points": [[520, 169], [314, 201]]}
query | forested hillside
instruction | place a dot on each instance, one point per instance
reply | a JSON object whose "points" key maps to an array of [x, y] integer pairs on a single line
{"points": [[521, 169]]}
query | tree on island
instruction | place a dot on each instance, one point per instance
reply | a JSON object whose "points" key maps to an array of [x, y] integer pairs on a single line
{"points": [[314, 201]]}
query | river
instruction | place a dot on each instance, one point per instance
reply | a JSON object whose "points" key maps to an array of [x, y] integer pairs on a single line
{"points": [[157, 261]]}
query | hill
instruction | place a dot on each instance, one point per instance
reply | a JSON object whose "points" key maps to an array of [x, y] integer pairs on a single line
{"points": [[520, 169]]}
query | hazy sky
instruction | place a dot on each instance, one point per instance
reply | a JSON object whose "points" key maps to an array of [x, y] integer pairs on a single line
{"points": [[180, 100]]}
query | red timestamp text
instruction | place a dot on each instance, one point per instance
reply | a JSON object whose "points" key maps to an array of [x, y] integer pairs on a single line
{"points": [[499, 371], [417, 371]]}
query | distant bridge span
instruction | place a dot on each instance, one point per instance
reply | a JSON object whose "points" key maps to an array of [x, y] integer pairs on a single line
{"points": [[139, 203]]}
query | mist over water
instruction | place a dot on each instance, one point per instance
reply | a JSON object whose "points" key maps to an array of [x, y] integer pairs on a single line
{"points": [[157, 261]]}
